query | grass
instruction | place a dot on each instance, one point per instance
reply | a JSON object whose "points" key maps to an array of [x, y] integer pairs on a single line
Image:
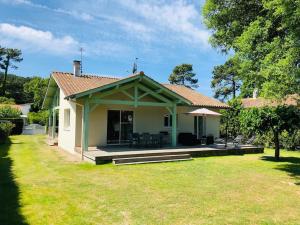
{"points": [[41, 185]]}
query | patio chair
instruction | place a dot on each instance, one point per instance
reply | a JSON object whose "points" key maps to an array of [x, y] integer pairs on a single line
{"points": [[134, 140], [251, 140], [155, 140], [145, 140], [238, 140]]}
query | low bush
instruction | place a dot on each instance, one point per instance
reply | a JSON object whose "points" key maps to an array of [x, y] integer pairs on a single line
{"points": [[40, 117], [8, 112], [5, 100], [5, 130], [290, 141]]}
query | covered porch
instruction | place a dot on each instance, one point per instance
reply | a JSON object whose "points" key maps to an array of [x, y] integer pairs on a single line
{"points": [[112, 113]]}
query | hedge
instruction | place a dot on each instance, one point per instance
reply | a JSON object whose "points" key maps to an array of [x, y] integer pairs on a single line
{"points": [[5, 130], [18, 125]]}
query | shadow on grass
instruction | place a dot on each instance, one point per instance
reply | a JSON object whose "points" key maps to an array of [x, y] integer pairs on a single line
{"points": [[291, 165], [9, 191]]}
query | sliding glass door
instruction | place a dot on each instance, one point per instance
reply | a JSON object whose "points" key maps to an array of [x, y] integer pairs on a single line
{"points": [[119, 126], [200, 126]]}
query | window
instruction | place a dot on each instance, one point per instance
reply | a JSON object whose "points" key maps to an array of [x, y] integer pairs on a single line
{"points": [[168, 120], [66, 118]]}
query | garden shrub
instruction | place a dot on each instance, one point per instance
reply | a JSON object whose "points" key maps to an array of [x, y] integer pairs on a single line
{"points": [[40, 117], [5, 100], [8, 112], [5, 130], [290, 141]]}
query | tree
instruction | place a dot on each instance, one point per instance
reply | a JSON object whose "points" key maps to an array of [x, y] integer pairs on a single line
{"points": [[183, 75], [226, 80], [264, 35], [10, 55], [230, 123], [274, 120], [37, 86], [15, 88]]}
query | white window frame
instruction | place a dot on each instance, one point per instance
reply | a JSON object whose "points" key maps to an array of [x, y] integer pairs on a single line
{"points": [[169, 116], [67, 119]]}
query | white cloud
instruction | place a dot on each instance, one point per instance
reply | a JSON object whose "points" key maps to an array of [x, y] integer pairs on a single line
{"points": [[178, 16], [24, 37], [74, 13]]}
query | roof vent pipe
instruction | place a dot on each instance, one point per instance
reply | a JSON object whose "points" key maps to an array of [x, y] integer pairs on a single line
{"points": [[255, 93], [76, 68]]}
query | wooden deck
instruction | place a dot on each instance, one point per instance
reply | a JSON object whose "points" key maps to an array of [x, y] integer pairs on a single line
{"points": [[107, 154]]}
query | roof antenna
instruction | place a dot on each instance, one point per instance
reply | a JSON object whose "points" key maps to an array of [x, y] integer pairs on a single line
{"points": [[134, 69], [81, 50]]}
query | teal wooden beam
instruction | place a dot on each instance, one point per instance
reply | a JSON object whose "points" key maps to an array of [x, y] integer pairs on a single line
{"points": [[154, 94], [174, 125], [114, 91], [170, 110], [127, 94], [143, 95], [167, 90], [125, 102], [136, 96], [105, 87], [85, 127]]}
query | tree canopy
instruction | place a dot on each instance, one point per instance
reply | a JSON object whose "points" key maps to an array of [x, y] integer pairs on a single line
{"points": [[8, 56], [274, 120], [183, 75], [225, 81], [265, 36], [36, 87]]}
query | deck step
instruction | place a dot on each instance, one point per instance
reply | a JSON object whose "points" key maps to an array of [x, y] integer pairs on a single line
{"points": [[151, 159]]}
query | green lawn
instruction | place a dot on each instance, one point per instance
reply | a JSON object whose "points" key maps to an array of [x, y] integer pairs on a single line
{"points": [[39, 185]]}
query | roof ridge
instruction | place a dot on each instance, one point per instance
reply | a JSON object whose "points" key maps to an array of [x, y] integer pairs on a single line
{"points": [[90, 75]]}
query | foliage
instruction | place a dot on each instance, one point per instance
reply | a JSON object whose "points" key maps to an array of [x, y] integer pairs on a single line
{"points": [[270, 119], [40, 117], [8, 112], [5, 130], [37, 87], [290, 141], [8, 57], [264, 35], [15, 89], [230, 123], [183, 75], [5, 100], [225, 81]]}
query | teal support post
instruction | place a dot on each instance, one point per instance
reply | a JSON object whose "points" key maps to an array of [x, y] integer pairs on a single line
{"points": [[85, 127], [174, 125], [53, 123], [49, 122]]}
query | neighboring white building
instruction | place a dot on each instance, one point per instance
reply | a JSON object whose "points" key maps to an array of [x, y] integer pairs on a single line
{"points": [[88, 111]]}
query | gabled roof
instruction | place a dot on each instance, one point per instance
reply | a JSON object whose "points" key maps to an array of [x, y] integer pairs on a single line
{"points": [[261, 102], [78, 86], [195, 97]]}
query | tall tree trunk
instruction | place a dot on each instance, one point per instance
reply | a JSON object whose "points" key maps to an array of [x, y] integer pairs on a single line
{"points": [[233, 88], [277, 147], [5, 77]]}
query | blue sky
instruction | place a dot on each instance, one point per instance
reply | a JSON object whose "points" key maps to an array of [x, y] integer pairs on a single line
{"points": [[161, 33]]}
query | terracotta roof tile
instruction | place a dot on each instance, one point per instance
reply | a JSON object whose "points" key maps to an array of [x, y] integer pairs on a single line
{"points": [[73, 85], [260, 102], [195, 97]]}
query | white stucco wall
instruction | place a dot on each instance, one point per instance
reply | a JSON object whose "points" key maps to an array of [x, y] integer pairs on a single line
{"points": [[66, 137], [146, 119]]}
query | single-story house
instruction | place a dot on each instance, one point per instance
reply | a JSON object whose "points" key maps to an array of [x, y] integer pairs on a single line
{"points": [[88, 110]]}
